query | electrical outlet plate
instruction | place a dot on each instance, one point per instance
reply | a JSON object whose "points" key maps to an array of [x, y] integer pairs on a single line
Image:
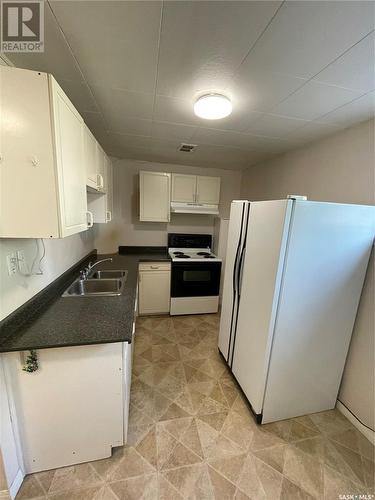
{"points": [[12, 264], [21, 261]]}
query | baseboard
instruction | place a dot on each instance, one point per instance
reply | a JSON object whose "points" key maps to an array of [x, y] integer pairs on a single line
{"points": [[16, 485], [370, 435]]}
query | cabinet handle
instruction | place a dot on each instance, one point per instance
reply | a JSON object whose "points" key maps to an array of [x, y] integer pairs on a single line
{"points": [[90, 219], [109, 216], [100, 181], [154, 267]]}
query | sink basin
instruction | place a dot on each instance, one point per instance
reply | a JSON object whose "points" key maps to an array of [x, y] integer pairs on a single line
{"points": [[108, 274], [94, 287]]}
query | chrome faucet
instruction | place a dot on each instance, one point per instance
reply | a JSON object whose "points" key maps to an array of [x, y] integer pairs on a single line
{"points": [[85, 272]]}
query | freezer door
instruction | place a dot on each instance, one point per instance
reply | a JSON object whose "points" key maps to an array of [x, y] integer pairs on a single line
{"points": [[328, 253], [267, 236], [230, 301]]}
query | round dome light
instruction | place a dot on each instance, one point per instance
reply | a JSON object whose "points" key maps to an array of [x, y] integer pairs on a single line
{"points": [[213, 107]]}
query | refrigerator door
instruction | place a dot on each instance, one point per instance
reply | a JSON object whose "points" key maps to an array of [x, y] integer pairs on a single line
{"points": [[267, 237], [325, 266], [230, 302], [220, 245]]}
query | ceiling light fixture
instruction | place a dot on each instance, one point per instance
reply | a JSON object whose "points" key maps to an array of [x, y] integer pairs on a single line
{"points": [[213, 106]]}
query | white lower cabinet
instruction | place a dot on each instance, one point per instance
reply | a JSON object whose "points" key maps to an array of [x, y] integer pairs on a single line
{"points": [[74, 408], [154, 287]]}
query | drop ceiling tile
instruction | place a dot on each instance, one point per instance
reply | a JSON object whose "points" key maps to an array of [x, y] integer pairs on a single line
{"points": [[306, 36], [229, 139], [226, 157], [311, 132], [130, 141], [129, 152], [96, 124], [80, 95], [203, 43], [259, 89], [116, 103], [56, 58], [356, 111], [355, 69], [172, 131], [108, 54], [313, 100], [110, 18], [169, 109], [225, 138], [276, 125], [121, 124], [239, 121]]}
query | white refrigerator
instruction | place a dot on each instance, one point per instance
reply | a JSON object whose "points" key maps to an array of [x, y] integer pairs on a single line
{"points": [[293, 279]]}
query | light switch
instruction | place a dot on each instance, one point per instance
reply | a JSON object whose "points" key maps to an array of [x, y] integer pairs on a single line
{"points": [[12, 264], [21, 261]]}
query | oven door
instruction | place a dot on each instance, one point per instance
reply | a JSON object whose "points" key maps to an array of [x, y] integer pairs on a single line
{"points": [[195, 279]]}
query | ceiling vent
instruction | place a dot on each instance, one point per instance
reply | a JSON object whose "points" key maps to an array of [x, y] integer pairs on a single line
{"points": [[187, 148]]}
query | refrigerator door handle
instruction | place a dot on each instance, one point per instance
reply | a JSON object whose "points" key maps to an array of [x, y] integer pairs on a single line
{"points": [[239, 281], [235, 285]]}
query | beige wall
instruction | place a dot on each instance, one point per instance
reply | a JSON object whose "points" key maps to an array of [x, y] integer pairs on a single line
{"points": [[126, 228], [339, 168], [61, 254]]}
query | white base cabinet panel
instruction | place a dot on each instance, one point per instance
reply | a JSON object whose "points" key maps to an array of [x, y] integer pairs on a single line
{"points": [[71, 410], [154, 288]]}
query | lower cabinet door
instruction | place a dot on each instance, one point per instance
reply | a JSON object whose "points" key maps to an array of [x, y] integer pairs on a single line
{"points": [[154, 292], [70, 410]]}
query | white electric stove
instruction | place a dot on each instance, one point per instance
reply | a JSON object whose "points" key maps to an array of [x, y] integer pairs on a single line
{"points": [[192, 255], [195, 280]]}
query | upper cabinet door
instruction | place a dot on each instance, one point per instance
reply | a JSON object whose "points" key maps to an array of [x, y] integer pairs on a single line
{"points": [[28, 187], [208, 190], [183, 188], [71, 172], [109, 186], [100, 167], [154, 196], [90, 159]]}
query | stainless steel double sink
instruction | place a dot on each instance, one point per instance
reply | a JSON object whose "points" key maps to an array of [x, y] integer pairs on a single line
{"points": [[98, 283]]}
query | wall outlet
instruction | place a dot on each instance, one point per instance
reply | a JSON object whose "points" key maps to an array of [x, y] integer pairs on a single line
{"points": [[12, 264], [21, 261]]}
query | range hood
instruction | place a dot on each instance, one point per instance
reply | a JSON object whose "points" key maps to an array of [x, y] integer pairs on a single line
{"points": [[194, 208]]}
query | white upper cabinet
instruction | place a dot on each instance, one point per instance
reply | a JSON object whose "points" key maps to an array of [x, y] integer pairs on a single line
{"points": [[101, 205], [95, 159], [68, 131], [195, 189], [183, 188], [208, 190], [154, 196], [42, 174], [90, 160], [100, 162]]}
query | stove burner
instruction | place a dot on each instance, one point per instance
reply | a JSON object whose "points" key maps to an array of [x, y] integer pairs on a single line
{"points": [[203, 253], [178, 253], [209, 257], [182, 256]]}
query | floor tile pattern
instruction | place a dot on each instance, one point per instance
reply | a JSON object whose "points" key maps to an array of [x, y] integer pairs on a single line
{"points": [[191, 435]]}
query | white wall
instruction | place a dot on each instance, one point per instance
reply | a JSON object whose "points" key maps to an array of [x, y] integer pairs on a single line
{"points": [[61, 254], [339, 168], [126, 228]]}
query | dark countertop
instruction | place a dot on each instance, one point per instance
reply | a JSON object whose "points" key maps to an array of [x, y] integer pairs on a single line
{"points": [[73, 321]]}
